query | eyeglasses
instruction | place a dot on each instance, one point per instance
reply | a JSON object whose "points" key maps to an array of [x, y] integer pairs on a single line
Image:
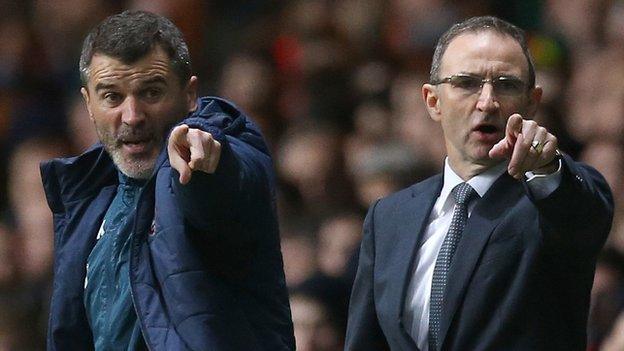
{"points": [[503, 85]]}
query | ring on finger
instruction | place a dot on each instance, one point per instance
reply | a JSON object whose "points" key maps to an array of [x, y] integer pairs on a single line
{"points": [[538, 146]]}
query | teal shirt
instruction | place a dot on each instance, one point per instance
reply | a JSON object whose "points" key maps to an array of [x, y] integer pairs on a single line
{"points": [[107, 295]]}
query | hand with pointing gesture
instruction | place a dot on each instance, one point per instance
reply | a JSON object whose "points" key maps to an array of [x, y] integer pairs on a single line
{"points": [[528, 146], [191, 150]]}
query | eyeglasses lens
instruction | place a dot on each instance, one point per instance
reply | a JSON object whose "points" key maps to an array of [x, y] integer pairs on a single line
{"points": [[501, 85]]}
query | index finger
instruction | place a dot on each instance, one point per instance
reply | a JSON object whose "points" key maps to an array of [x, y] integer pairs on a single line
{"points": [[178, 152], [514, 127], [178, 134], [504, 147]]}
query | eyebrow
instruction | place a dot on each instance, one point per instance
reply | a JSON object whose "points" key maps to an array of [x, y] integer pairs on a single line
{"points": [[104, 86], [154, 80]]}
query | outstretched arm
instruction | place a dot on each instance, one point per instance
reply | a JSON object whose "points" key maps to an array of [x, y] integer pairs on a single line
{"points": [[220, 180]]}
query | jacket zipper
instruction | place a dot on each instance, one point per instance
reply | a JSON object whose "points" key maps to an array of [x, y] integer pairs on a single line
{"points": [[134, 246]]}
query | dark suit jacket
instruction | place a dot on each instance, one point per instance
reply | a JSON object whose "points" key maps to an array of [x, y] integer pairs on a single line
{"points": [[520, 278]]}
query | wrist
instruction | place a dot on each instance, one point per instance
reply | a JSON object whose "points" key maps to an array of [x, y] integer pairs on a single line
{"points": [[551, 167]]}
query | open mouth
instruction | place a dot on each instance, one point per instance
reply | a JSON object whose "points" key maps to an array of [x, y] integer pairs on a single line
{"points": [[487, 133], [134, 142], [136, 146], [486, 129]]}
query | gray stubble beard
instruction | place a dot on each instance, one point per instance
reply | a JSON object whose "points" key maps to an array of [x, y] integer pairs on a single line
{"points": [[137, 169]]}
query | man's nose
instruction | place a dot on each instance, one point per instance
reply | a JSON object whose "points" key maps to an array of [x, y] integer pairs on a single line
{"points": [[132, 112], [487, 99]]}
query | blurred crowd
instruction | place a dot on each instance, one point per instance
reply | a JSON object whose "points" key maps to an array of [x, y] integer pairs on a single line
{"points": [[335, 86]]}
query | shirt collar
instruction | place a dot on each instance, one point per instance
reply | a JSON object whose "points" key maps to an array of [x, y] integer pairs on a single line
{"points": [[481, 183], [133, 182]]}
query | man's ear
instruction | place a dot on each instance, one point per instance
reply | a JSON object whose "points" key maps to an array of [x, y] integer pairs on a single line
{"points": [[190, 91], [86, 98], [432, 101], [535, 96]]}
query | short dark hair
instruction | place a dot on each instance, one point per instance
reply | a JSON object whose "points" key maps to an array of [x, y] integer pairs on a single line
{"points": [[130, 35], [475, 25]]}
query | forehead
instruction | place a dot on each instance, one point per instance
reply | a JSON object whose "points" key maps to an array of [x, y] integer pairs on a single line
{"points": [[484, 53], [111, 70]]}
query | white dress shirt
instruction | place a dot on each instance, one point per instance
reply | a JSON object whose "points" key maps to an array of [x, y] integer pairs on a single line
{"points": [[416, 309]]}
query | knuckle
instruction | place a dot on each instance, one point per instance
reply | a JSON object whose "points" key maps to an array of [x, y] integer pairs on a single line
{"points": [[197, 155], [526, 142], [529, 125]]}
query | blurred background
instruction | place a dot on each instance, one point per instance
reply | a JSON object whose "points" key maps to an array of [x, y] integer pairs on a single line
{"points": [[335, 86]]}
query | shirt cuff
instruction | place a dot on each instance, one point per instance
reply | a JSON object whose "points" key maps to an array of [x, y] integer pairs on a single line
{"points": [[542, 185]]}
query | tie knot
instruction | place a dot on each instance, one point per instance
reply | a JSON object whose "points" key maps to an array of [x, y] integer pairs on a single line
{"points": [[463, 193]]}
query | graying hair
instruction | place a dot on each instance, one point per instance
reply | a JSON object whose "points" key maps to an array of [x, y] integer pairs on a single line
{"points": [[475, 25]]}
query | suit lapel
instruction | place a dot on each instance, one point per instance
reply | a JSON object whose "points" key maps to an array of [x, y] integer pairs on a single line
{"points": [[414, 215], [486, 215]]}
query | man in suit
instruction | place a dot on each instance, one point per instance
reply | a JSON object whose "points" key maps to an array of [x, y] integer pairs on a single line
{"points": [[498, 251]]}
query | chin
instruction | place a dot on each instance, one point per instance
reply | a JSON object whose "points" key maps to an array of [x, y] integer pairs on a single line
{"points": [[136, 172], [134, 168], [480, 155], [483, 151]]}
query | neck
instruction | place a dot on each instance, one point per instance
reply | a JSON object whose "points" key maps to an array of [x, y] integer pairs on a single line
{"points": [[467, 170]]}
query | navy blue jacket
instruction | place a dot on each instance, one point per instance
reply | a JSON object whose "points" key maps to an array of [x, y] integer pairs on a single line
{"points": [[206, 270]]}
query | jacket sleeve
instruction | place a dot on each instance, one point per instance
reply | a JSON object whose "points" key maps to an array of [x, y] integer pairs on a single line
{"points": [[241, 187], [579, 213], [363, 330]]}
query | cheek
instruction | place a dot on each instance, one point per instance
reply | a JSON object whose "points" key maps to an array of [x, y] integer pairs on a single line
{"points": [[459, 109], [453, 127], [106, 121], [173, 112], [519, 106], [161, 118]]}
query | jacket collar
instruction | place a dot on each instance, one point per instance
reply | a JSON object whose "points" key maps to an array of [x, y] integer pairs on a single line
{"points": [[71, 179], [414, 213]]}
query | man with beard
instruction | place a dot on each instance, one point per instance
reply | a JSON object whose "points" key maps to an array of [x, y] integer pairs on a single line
{"points": [[165, 232], [498, 252]]}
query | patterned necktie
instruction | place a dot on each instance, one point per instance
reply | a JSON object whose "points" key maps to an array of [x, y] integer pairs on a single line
{"points": [[462, 193]]}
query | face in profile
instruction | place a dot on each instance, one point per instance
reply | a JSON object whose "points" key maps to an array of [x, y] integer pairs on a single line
{"points": [[133, 106]]}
